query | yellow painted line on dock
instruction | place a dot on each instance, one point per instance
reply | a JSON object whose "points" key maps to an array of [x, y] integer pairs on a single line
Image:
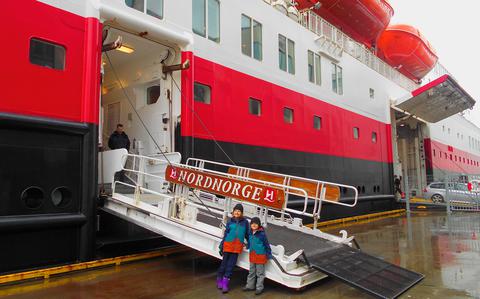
{"points": [[376, 216], [419, 200], [46, 273]]}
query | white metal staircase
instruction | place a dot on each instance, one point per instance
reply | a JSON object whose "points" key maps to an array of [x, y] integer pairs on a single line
{"points": [[195, 217]]}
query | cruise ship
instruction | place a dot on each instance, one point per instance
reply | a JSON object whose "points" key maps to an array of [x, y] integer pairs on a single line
{"points": [[324, 89]]}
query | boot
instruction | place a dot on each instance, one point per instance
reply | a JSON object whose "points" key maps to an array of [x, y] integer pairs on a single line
{"points": [[219, 283], [225, 282]]}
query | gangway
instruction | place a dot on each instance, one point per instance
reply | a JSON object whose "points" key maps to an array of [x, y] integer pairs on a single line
{"points": [[193, 209]]}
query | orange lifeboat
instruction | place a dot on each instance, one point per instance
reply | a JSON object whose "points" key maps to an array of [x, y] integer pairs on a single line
{"points": [[403, 47], [363, 20]]}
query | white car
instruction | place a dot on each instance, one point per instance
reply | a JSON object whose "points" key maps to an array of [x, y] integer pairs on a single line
{"points": [[457, 191]]}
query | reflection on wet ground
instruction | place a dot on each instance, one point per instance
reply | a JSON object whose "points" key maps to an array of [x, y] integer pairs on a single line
{"points": [[445, 249]]}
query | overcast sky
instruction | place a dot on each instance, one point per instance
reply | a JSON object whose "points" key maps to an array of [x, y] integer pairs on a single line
{"points": [[452, 29]]}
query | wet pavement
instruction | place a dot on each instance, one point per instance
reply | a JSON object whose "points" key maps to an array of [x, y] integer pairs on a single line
{"points": [[444, 248]]}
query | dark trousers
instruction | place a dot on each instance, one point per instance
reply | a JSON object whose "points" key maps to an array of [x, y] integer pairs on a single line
{"points": [[228, 263]]}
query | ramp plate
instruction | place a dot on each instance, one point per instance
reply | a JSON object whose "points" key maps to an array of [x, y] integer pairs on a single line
{"points": [[363, 271], [354, 267]]}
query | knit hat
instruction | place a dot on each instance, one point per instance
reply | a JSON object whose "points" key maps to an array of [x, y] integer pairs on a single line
{"points": [[238, 207], [256, 220]]}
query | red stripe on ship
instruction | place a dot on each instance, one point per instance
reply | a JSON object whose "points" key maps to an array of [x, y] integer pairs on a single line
{"points": [[442, 160], [228, 118], [71, 94]]}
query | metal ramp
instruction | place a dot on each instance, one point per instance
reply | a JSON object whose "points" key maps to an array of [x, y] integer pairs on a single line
{"points": [[188, 214], [365, 272]]}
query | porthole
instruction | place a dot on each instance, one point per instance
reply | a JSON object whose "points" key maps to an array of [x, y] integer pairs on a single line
{"points": [[61, 196], [32, 197]]}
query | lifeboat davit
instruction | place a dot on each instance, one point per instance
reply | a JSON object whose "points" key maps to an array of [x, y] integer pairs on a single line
{"points": [[403, 47], [363, 20]]}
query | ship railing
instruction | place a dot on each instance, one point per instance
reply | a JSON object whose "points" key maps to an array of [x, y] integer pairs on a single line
{"points": [[324, 29], [312, 193], [309, 194]]}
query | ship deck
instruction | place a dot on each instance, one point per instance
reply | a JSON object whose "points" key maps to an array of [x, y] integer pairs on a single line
{"points": [[444, 248]]}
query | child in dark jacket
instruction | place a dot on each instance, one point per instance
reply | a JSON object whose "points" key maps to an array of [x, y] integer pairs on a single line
{"points": [[260, 253], [236, 232]]}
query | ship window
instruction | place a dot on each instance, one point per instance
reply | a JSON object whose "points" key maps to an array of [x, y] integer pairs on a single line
{"points": [[199, 11], [314, 68], [288, 115], [32, 197], [317, 122], [318, 70], [47, 54], [337, 79], [246, 35], [153, 93], [61, 196], [282, 52], [434, 154], [202, 93], [291, 57], [206, 18], [257, 40], [356, 132], [136, 4], [251, 28], [214, 20], [372, 93], [255, 106], [311, 67], [374, 137], [153, 7], [286, 54]]}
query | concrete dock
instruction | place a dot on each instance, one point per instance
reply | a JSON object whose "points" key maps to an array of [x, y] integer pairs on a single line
{"points": [[446, 249]]}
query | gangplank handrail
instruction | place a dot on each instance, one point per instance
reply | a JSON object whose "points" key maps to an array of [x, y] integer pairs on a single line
{"points": [[320, 187], [286, 188], [243, 174], [287, 176]]}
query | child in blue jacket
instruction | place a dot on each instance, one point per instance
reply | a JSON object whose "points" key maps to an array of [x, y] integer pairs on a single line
{"points": [[236, 232], [260, 253]]}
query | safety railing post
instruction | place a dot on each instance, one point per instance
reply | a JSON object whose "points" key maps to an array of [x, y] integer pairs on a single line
{"points": [[447, 194], [407, 194]]}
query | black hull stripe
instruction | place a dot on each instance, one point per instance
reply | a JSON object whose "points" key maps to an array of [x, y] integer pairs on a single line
{"points": [[374, 178]]}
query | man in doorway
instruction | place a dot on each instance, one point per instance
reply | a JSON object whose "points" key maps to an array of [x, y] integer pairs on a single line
{"points": [[397, 190], [118, 140]]}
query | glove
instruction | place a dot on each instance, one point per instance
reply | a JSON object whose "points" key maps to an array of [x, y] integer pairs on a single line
{"points": [[220, 252]]}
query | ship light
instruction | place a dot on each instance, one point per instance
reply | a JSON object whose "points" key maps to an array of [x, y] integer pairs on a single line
{"points": [[125, 49]]}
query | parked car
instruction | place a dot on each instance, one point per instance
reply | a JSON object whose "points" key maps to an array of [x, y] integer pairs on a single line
{"points": [[457, 191]]}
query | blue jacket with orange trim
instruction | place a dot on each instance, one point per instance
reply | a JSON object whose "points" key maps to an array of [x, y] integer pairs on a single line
{"points": [[260, 251], [236, 232]]}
